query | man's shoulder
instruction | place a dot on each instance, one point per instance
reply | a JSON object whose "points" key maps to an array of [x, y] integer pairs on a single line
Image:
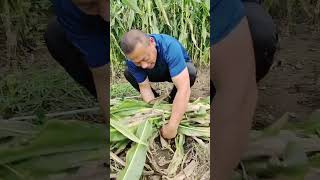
{"points": [[164, 41], [71, 16], [163, 37]]}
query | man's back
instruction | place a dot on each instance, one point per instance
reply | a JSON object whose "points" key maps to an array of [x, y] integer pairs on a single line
{"points": [[88, 33]]}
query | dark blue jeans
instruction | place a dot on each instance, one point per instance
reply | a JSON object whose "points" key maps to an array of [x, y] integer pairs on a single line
{"points": [[157, 76]]}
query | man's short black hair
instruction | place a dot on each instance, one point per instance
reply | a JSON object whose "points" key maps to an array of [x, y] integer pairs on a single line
{"points": [[131, 39]]}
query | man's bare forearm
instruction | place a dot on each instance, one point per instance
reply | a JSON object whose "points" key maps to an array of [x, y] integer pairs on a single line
{"points": [[179, 106], [145, 91], [102, 81], [104, 103], [232, 117], [147, 96]]}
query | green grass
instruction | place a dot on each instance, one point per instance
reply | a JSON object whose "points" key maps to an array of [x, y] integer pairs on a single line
{"points": [[123, 90], [24, 22], [292, 12], [35, 91]]}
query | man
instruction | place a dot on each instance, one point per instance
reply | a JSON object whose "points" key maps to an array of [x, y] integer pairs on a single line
{"points": [[159, 58], [243, 42], [78, 38]]}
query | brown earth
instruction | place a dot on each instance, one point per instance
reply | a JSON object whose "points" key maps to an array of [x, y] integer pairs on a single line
{"points": [[293, 83]]}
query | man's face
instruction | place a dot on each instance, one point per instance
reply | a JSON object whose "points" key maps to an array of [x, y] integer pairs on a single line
{"points": [[143, 55]]}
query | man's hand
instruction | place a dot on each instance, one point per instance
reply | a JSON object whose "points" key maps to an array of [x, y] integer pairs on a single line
{"points": [[145, 91], [169, 131], [180, 103]]}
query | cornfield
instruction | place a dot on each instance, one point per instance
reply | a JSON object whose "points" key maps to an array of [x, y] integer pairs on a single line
{"points": [[295, 11], [136, 144], [22, 23], [186, 20]]}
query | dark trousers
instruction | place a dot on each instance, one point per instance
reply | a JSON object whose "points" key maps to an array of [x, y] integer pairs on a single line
{"points": [[264, 37], [158, 77], [68, 56]]}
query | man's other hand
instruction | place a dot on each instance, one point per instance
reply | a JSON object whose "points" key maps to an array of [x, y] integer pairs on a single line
{"points": [[169, 131]]}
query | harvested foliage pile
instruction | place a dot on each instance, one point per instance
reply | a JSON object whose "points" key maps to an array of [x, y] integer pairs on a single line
{"points": [[138, 151], [287, 150]]}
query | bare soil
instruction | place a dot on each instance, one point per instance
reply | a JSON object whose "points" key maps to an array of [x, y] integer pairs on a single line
{"points": [[293, 83]]}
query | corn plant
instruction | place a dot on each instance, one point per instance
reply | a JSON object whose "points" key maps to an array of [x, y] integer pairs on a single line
{"points": [[136, 123], [292, 10], [23, 22], [186, 20]]}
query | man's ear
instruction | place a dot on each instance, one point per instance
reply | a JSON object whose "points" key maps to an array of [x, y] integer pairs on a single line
{"points": [[151, 40]]}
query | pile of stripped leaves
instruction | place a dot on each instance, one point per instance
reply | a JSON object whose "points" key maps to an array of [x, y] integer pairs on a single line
{"points": [[286, 150], [138, 151], [52, 150]]}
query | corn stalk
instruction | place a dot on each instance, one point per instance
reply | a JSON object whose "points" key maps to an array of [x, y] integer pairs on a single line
{"points": [[292, 11], [186, 20], [22, 23]]}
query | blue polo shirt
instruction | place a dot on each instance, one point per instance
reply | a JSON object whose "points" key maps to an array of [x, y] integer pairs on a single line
{"points": [[225, 15], [171, 57], [89, 33]]}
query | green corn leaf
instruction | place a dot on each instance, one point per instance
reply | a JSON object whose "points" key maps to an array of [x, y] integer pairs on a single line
{"points": [[123, 130], [159, 4], [294, 155], [116, 136], [194, 131], [178, 155], [58, 137], [136, 156], [133, 5], [17, 128]]}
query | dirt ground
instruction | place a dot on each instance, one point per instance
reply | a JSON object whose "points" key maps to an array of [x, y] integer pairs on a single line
{"points": [[292, 85]]}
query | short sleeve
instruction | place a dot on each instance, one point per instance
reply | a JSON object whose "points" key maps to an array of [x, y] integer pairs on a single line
{"points": [[137, 72], [94, 46], [225, 15], [175, 59], [88, 33]]}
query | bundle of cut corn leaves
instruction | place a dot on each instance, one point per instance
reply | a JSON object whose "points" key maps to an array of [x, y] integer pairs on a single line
{"points": [[135, 140]]}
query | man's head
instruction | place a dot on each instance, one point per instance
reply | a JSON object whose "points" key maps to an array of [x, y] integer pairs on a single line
{"points": [[139, 48]]}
